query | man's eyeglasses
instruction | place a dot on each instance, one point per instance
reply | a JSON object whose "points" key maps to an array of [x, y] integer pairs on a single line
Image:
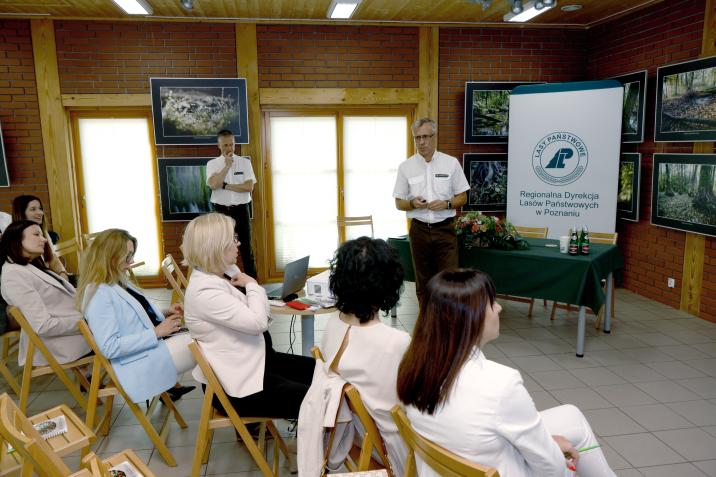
{"points": [[424, 137]]}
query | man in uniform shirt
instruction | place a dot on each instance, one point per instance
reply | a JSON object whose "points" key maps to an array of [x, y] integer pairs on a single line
{"points": [[429, 187], [232, 180]]}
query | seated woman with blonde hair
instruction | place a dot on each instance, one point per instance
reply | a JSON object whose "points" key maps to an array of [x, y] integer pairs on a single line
{"points": [[144, 344], [44, 297], [231, 326], [477, 408]]}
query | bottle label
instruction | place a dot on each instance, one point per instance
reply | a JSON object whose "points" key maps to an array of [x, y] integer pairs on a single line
{"points": [[585, 249], [573, 249]]}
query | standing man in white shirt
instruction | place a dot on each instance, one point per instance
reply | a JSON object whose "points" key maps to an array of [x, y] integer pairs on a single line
{"points": [[429, 187], [231, 179]]}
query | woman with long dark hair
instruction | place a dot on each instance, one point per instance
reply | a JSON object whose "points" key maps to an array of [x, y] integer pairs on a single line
{"points": [[477, 408], [29, 207]]}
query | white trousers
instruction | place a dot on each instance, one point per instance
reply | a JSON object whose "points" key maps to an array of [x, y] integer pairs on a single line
{"points": [[182, 358], [568, 421]]}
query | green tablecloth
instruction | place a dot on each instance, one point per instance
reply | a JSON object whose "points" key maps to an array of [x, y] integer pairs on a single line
{"points": [[539, 272]]}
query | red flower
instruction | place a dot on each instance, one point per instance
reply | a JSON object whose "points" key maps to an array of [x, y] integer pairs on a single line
{"points": [[474, 228]]}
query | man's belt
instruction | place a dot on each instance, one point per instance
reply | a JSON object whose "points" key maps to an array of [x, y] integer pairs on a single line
{"points": [[442, 223]]}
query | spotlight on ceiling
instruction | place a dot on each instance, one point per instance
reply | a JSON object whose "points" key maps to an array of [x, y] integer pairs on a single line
{"points": [[549, 3], [342, 9], [516, 7], [529, 11], [187, 4]]}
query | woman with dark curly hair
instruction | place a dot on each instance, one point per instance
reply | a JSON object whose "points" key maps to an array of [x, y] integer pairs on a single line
{"points": [[366, 277]]}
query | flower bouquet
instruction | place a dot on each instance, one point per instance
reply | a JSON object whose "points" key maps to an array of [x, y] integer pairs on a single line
{"points": [[476, 230]]}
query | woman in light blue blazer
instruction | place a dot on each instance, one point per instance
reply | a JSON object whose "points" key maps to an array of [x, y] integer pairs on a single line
{"points": [[143, 343]]}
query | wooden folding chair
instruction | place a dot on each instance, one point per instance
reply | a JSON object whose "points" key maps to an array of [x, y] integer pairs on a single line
{"points": [[607, 238], [101, 367], [69, 249], [211, 420], [31, 451], [343, 222], [87, 239], [441, 460], [100, 468], [529, 232], [175, 277], [53, 367], [10, 343], [362, 458]]}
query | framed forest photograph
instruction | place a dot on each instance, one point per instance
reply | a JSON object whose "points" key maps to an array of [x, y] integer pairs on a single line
{"points": [[684, 192], [487, 107], [628, 189], [182, 188], [634, 106], [487, 176], [4, 174], [686, 101], [191, 111]]}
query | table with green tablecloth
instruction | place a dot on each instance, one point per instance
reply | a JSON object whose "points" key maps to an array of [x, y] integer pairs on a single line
{"points": [[542, 272]]}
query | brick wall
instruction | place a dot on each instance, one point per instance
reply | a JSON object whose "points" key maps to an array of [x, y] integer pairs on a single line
{"points": [[667, 33], [499, 54], [116, 58], [319, 56], [20, 116]]}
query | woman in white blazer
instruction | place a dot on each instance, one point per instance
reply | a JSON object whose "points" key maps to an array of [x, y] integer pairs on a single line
{"points": [[477, 408], [231, 326], [45, 298], [366, 277], [143, 343]]}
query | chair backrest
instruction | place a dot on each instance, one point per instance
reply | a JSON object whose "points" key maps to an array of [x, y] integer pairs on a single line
{"points": [[174, 276], [532, 232], [34, 341], [354, 221], [87, 239], [105, 364], [17, 430], [69, 249], [603, 237], [444, 462]]}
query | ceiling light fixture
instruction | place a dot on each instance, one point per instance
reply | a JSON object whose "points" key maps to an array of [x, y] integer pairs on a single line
{"points": [[342, 9], [529, 11], [134, 7], [516, 7], [187, 4], [571, 8]]}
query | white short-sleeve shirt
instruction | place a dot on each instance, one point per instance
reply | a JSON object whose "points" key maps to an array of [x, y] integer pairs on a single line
{"points": [[440, 179], [240, 172]]}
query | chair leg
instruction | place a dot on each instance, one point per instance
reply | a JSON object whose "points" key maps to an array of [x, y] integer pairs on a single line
{"points": [[152, 433], [173, 409], [554, 311], [203, 441], [26, 378], [529, 311], [614, 295]]}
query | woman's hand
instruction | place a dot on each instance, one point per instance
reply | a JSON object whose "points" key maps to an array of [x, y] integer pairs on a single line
{"points": [[241, 280], [571, 454], [176, 309], [168, 326]]}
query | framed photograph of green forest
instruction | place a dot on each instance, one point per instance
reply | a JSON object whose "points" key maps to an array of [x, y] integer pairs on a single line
{"points": [[182, 188], [634, 105], [487, 107], [686, 101], [683, 193], [628, 189], [487, 176]]}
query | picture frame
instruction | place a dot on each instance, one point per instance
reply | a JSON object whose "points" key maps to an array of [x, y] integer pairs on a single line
{"points": [[634, 110], [4, 174], [684, 192], [182, 188], [629, 186], [191, 111], [686, 102], [487, 175], [487, 111]]}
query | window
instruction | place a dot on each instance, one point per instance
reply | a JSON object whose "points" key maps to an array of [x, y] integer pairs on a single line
{"points": [[325, 164], [117, 180]]}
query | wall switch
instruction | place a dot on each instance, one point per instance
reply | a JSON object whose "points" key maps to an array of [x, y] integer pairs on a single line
{"points": [[671, 282]]}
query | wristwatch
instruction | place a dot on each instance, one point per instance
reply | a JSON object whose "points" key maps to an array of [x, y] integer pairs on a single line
{"points": [[449, 204], [224, 186]]}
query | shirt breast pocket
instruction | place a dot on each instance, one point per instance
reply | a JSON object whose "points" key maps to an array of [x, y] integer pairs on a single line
{"points": [[417, 186], [442, 186]]}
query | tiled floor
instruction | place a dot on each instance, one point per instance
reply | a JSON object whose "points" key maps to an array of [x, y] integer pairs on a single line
{"points": [[648, 389]]}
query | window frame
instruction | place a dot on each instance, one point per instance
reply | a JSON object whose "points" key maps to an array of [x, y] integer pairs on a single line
{"points": [[339, 113]]}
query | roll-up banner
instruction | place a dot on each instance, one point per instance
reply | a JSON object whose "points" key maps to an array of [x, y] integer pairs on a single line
{"points": [[563, 155]]}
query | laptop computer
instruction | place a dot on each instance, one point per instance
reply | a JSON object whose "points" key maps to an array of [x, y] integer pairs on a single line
{"points": [[294, 279]]}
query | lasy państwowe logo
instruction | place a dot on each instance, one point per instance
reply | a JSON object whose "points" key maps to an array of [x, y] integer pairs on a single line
{"points": [[560, 158]]}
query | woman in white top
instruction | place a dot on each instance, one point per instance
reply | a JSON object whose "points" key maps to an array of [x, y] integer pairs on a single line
{"points": [[231, 326], [366, 277], [475, 407]]}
